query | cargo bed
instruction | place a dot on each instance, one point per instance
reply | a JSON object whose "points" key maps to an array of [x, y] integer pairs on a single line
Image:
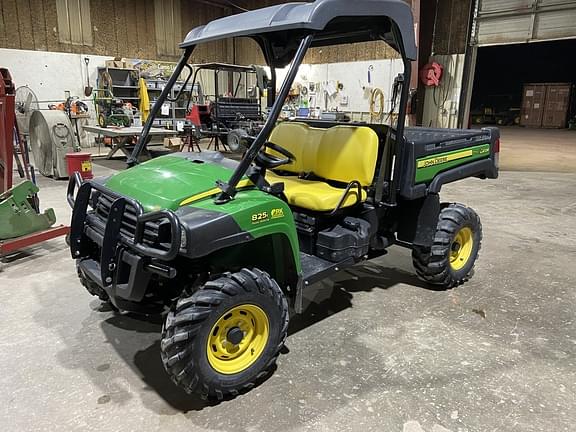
{"points": [[423, 136]]}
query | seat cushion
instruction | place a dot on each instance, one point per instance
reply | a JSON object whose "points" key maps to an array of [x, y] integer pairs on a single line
{"points": [[314, 195]]}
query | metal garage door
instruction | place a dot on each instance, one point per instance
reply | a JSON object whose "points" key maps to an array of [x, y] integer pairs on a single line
{"points": [[516, 21]]}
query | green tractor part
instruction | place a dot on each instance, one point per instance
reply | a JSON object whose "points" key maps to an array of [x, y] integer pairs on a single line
{"points": [[18, 217]]}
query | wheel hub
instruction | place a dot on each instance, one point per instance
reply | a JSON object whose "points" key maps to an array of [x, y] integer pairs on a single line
{"points": [[235, 335], [461, 248], [237, 339]]}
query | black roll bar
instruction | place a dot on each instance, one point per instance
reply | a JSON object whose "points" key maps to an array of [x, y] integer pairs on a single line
{"points": [[399, 134], [182, 63], [229, 189]]}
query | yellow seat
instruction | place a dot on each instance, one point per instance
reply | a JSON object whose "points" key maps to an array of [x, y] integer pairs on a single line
{"points": [[341, 154], [314, 195]]}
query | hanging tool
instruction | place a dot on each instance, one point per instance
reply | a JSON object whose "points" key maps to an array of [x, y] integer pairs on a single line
{"points": [[396, 90], [88, 89]]}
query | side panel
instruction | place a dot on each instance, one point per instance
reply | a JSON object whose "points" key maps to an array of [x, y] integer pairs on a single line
{"points": [[433, 157], [428, 167], [259, 215]]}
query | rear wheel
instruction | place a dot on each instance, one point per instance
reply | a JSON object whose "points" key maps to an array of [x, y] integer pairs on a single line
{"points": [[457, 241], [235, 140], [227, 335]]}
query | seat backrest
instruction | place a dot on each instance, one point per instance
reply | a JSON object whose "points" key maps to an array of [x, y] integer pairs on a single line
{"points": [[302, 141], [348, 153], [341, 153]]}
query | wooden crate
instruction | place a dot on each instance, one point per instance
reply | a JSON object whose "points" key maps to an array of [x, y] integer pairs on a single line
{"points": [[533, 101], [545, 105], [557, 104]]}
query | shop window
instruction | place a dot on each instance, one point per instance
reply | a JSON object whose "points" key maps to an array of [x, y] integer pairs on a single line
{"points": [[74, 23], [168, 26]]}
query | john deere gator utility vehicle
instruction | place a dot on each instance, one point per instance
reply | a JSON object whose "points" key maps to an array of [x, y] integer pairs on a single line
{"points": [[228, 247]]}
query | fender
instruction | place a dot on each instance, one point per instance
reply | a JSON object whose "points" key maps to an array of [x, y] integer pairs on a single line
{"points": [[485, 168]]}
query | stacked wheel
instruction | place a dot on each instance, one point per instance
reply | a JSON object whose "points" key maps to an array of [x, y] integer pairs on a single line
{"points": [[451, 258], [225, 337]]}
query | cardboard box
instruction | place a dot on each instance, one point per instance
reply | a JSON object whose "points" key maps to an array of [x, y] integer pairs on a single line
{"points": [[173, 143], [117, 63]]}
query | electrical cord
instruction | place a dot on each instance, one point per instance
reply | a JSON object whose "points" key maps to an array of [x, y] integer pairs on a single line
{"points": [[377, 93]]}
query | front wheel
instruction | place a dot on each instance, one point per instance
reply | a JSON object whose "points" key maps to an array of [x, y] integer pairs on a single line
{"points": [[102, 120], [227, 335], [92, 287], [457, 241]]}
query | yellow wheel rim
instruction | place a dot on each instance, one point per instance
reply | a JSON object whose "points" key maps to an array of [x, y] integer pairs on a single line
{"points": [[238, 339], [461, 248]]}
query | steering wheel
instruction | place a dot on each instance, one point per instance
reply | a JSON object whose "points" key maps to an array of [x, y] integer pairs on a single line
{"points": [[269, 161]]}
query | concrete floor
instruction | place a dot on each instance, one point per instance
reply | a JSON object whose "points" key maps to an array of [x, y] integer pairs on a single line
{"points": [[524, 149], [375, 351]]}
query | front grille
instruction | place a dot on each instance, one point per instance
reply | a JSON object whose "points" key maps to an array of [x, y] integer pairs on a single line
{"points": [[156, 233]]}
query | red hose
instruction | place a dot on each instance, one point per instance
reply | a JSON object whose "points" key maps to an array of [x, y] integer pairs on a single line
{"points": [[431, 74]]}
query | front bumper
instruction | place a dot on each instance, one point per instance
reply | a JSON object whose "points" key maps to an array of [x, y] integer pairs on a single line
{"points": [[120, 261]]}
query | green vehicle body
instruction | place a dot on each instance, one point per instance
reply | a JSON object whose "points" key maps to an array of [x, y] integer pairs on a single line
{"points": [[166, 183], [178, 182], [217, 215], [228, 247]]}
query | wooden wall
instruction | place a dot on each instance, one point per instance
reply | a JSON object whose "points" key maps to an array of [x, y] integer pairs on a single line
{"points": [[451, 26], [125, 28], [248, 52]]}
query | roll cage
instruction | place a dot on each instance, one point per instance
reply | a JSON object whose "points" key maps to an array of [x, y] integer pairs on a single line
{"points": [[285, 33]]}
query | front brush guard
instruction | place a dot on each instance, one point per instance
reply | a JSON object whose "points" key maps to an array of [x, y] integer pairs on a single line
{"points": [[113, 238]]}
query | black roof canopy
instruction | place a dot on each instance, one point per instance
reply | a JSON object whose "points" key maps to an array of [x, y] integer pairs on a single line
{"points": [[278, 29]]}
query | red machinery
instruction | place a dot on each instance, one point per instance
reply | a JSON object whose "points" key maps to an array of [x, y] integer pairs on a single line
{"points": [[21, 223], [7, 122]]}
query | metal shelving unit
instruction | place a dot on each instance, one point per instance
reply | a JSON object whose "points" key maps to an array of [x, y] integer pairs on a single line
{"points": [[177, 110], [115, 83]]}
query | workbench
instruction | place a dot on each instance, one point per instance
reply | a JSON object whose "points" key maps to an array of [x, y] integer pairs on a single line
{"points": [[122, 136]]}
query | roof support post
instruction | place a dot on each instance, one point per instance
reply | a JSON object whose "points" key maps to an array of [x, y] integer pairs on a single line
{"points": [[229, 189], [399, 141], [142, 141]]}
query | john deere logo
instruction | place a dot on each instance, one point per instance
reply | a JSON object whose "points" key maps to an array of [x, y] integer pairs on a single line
{"points": [[432, 162], [439, 160]]}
